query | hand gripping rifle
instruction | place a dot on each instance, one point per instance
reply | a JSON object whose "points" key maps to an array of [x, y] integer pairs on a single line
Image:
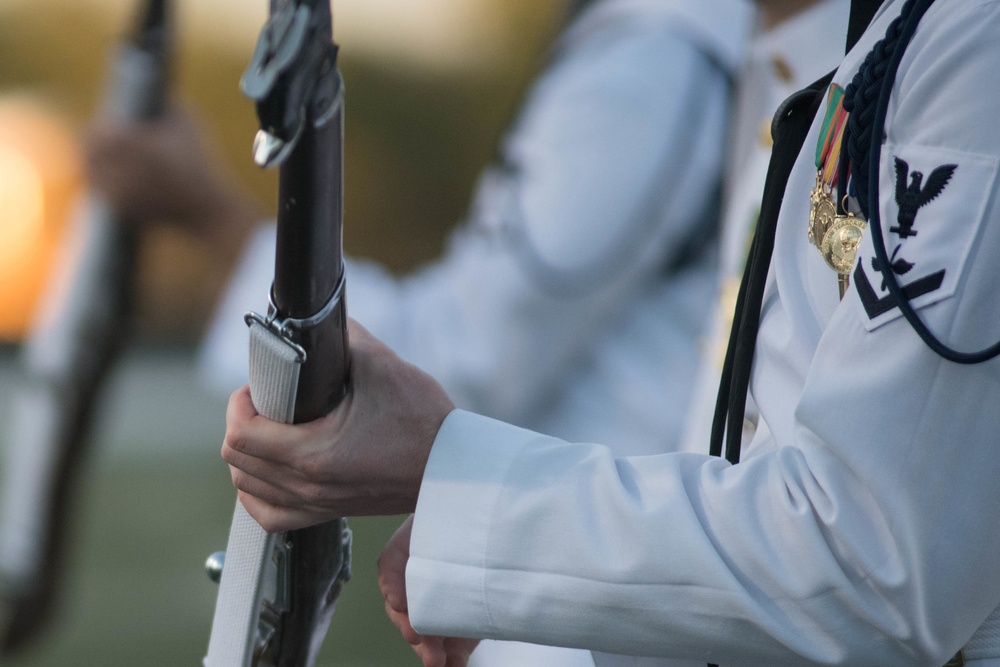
{"points": [[277, 592], [70, 349]]}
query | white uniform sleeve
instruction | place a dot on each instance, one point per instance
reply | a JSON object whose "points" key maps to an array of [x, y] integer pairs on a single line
{"points": [[613, 164], [863, 525]]}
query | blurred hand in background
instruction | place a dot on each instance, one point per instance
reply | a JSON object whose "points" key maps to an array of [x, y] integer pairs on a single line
{"points": [[168, 172]]}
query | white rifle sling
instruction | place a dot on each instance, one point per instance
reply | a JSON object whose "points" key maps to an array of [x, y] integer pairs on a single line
{"points": [[249, 577]]}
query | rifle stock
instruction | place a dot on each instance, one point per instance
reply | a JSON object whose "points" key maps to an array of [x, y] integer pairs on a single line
{"points": [[87, 309], [278, 592]]}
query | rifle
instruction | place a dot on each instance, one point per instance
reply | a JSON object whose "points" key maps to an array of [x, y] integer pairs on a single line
{"points": [[278, 592], [70, 349]]}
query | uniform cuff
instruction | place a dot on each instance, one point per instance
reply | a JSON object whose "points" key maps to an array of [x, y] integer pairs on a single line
{"points": [[468, 464]]}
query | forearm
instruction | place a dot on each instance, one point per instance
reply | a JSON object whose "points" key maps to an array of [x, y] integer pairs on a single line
{"points": [[783, 560]]}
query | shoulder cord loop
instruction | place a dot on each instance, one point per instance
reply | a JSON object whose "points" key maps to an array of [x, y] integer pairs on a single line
{"points": [[861, 98]]}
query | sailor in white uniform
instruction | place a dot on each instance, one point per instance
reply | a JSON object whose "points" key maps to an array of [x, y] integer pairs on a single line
{"points": [[574, 298], [862, 522]]}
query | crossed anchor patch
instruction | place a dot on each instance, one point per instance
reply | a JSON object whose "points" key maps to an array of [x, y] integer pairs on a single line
{"points": [[932, 203]]}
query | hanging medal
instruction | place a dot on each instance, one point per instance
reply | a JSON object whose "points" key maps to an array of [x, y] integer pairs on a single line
{"points": [[833, 229]]}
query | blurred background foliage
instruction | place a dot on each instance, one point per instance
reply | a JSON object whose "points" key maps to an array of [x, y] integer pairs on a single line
{"points": [[427, 102]]}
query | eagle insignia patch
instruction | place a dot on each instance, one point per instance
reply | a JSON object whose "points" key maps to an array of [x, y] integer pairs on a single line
{"points": [[931, 205], [911, 197]]}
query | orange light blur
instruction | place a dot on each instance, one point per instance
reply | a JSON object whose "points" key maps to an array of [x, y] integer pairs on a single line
{"points": [[41, 178]]}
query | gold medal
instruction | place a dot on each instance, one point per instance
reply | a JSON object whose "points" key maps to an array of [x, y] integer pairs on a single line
{"points": [[822, 211], [837, 237], [840, 243], [839, 247]]}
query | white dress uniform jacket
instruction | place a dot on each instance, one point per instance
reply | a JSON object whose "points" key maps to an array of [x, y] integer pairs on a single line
{"points": [[863, 523]]}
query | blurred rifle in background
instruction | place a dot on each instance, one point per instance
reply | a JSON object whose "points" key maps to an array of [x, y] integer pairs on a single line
{"points": [[85, 319], [278, 592]]}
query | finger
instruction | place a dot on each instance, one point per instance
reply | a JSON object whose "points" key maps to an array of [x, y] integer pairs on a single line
{"points": [[401, 620], [304, 483], [393, 588], [282, 474], [263, 488], [392, 566], [240, 407], [250, 433], [457, 660], [431, 651], [392, 584], [275, 518], [459, 650]]}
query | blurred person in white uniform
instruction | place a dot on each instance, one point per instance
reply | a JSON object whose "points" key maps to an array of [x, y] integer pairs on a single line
{"points": [[861, 524], [573, 298]]}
